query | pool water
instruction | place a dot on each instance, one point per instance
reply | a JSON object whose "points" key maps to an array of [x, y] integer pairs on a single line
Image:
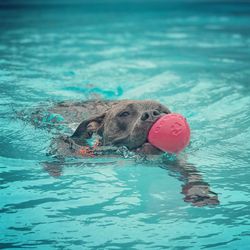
{"points": [[192, 56]]}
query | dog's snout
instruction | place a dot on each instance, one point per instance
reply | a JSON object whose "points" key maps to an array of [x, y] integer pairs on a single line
{"points": [[150, 115]]}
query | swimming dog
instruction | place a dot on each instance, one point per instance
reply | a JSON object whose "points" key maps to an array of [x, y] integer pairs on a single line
{"points": [[114, 124]]}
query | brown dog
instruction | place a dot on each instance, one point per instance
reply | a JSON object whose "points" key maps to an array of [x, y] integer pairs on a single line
{"points": [[116, 123], [126, 123]]}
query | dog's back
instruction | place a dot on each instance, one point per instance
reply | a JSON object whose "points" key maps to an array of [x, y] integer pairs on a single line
{"points": [[66, 114]]}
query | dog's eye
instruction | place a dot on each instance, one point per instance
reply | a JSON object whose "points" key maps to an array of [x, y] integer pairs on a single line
{"points": [[166, 112], [124, 114]]}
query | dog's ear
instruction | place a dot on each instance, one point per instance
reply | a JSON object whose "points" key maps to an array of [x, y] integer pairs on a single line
{"points": [[88, 127]]}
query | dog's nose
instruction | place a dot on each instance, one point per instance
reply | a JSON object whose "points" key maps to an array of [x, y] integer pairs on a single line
{"points": [[150, 115]]}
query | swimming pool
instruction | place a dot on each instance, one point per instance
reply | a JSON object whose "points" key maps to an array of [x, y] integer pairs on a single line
{"points": [[191, 56]]}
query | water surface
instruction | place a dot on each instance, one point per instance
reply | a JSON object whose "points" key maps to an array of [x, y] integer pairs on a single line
{"points": [[191, 56]]}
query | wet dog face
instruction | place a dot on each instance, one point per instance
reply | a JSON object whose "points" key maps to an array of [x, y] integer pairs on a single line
{"points": [[126, 124]]}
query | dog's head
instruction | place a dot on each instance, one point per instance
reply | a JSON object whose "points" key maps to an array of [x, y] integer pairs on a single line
{"points": [[127, 123]]}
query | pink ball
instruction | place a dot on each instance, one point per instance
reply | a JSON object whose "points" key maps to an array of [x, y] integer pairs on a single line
{"points": [[171, 133]]}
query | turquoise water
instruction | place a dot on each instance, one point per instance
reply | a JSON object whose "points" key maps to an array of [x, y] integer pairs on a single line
{"points": [[191, 56]]}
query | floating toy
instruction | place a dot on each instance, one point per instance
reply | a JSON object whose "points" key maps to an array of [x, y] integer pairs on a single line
{"points": [[170, 133]]}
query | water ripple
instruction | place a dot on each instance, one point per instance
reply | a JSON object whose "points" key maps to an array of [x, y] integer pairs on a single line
{"points": [[194, 59]]}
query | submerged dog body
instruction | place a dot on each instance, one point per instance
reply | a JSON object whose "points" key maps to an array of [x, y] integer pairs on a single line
{"points": [[115, 123]]}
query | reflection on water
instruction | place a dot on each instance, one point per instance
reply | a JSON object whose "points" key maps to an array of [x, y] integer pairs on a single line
{"points": [[192, 56]]}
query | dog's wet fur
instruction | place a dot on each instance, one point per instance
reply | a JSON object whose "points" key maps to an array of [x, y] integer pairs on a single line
{"points": [[126, 123], [117, 123], [123, 123]]}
